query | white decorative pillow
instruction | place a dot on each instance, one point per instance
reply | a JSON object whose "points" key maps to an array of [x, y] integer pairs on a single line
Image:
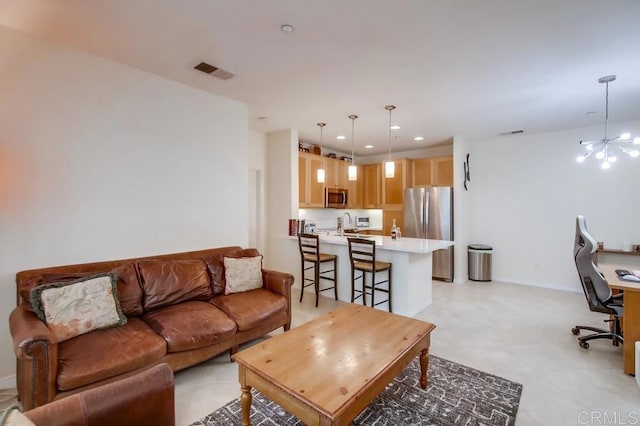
{"points": [[242, 274], [77, 307]]}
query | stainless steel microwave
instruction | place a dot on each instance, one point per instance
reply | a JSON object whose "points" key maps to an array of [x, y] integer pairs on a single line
{"points": [[336, 198]]}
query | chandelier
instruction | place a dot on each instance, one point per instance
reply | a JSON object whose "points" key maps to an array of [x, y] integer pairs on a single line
{"points": [[603, 149]]}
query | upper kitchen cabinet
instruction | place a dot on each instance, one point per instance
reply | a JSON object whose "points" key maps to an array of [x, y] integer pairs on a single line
{"points": [[393, 188], [371, 186], [310, 192], [332, 172], [436, 171], [443, 171], [354, 187]]}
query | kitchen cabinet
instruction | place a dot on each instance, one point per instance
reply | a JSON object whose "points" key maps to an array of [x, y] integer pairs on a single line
{"points": [[332, 170], [370, 232], [393, 188], [310, 192], [388, 215], [371, 189], [353, 186], [443, 171], [435, 171]]}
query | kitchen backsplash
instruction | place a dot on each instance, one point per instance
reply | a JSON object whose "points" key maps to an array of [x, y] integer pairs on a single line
{"points": [[327, 218]]}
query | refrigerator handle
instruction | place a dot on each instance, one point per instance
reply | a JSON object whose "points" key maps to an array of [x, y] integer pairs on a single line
{"points": [[425, 222]]}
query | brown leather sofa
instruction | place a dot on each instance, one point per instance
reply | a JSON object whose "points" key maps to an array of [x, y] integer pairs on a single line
{"points": [[177, 313], [146, 398]]}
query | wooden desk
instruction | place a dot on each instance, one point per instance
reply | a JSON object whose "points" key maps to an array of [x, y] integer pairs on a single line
{"points": [[631, 319]]}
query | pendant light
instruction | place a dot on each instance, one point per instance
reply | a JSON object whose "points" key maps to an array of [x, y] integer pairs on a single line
{"points": [[320, 173], [389, 165], [353, 169], [603, 148]]}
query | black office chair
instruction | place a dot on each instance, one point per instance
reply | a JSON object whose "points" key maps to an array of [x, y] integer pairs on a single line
{"points": [[596, 289]]}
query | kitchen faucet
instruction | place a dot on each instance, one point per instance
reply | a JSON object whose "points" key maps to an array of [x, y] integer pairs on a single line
{"points": [[341, 222]]}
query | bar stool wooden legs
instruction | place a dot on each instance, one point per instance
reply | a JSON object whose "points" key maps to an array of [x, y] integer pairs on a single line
{"points": [[310, 254], [362, 254]]}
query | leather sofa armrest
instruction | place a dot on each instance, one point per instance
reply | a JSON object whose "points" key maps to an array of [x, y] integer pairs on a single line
{"points": [[146, 398], [278, 282], [36, 351]]}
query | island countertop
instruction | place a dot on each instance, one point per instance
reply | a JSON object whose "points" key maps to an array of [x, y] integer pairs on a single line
{"points": [[404, 244]]}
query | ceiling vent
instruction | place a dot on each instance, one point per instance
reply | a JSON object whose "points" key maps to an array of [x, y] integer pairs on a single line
{"points": [[214, 71]]}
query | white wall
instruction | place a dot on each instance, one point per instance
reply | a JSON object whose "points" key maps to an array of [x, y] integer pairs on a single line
{"points": [[526, 191], [461, 211], [257, 182], [100, 161], [282, 194]]}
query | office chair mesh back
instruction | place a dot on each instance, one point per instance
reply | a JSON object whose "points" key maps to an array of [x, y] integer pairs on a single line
{"points": [[594, 284]]}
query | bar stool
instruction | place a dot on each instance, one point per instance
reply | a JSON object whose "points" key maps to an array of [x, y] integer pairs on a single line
{"points": [[362, 253], [310, 253]]}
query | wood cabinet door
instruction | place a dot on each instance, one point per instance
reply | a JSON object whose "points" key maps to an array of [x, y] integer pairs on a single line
{"points": [[355, 188], [331, 167], [302, 181], [388, 215], [443, 171], [310, 192], [421, 172], [393, 188], [316, 190], [371, 197]]}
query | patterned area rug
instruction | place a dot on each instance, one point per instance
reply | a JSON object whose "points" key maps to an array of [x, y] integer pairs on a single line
{"points": [[455, 395]]}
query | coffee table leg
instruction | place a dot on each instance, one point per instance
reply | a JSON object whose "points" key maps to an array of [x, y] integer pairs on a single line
{"points": [[245, 402], [424, 363]]}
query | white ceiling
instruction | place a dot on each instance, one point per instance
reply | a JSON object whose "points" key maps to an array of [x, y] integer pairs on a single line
{"points": [[475, 68]]}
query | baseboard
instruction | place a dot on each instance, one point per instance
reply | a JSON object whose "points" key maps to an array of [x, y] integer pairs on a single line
{"points": [[8, 382]]}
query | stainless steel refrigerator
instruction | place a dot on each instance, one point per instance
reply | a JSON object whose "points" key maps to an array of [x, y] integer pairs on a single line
{"points": [[428, 213]]}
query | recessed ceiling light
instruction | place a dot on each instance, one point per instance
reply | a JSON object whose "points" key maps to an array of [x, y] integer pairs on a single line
{"points": [[418, 138], [590, 112], [341, 137], [286, 28], [368, 146], [395, 127]]}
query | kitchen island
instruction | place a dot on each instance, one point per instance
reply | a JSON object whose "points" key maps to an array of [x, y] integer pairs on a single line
{"points": [[411, 270]]}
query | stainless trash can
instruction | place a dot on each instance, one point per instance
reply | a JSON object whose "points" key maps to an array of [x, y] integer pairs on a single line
{"points": [[480, 262]]}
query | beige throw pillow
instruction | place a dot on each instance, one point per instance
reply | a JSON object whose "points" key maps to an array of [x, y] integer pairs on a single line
{"points": [[242, 274], [77, 307]]}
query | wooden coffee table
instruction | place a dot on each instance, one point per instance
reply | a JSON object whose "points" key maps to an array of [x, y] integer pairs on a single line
{"points": [[326, 371]]}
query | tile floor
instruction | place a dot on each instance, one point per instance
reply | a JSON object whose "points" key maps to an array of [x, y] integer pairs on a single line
{"points": [[520, 333]]}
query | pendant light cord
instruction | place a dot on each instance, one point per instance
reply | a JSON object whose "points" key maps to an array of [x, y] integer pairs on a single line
{"points": [[353, 124], [390, 134], [606, 111]]}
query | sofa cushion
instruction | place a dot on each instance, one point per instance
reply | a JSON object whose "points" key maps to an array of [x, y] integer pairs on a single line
{"points": [[215, 266], [103, 354], [242, 274], [249, 308], [190, 325], [129, 291], [166, 282], [72, 308]]}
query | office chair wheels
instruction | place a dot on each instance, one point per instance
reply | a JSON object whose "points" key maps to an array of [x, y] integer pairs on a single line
{"points": [[583, 345], [575, 331]]}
